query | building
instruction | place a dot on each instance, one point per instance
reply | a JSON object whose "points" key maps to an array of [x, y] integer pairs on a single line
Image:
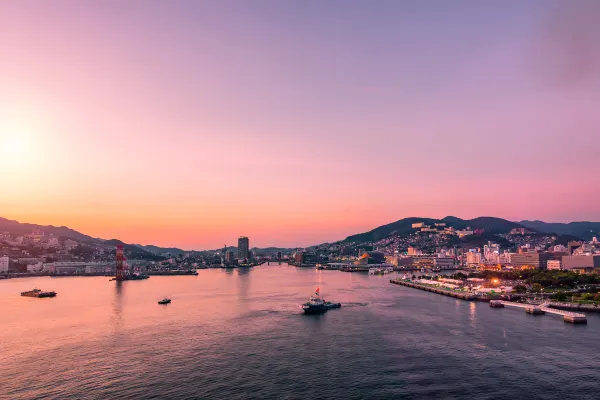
{"points": [[530, 259], [371, 257], [35, 267], [491, 253], [243, 248], [554, 265], [304, 258], [418, 225], [572, 246], [70, 244], [414, 252], [229, 257], [473, 258], [444, 262], [581, 262], [4, 263]]}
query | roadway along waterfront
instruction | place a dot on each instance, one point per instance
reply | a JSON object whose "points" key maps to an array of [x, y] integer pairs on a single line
{"points": [[239, 334]]}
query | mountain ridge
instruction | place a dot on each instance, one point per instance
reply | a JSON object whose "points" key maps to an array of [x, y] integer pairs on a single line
{"points": [[404, 226], [583, 229]]}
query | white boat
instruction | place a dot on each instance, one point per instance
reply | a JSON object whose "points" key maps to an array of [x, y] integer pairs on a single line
{"points": [[380, 270]]}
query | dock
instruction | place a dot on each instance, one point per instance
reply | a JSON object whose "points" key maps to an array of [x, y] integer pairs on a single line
{"points": [[457, 295], [544, 308]]}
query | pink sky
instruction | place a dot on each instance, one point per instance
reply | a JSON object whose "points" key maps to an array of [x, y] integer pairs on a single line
{"points": [[190, 123]]}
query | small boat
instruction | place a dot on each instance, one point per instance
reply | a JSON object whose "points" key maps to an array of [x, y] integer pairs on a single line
{"points": [[315, 305], [496, 304], [166, 300]]}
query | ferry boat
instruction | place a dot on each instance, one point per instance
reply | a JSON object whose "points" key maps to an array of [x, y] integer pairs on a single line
{"points": [[166, 300], [38, 293]]}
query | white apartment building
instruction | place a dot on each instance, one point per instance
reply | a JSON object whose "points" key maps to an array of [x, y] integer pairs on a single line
{"points": [[4, 261]]}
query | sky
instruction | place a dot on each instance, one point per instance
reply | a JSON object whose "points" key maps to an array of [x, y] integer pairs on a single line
{"points": [[190, 123]]}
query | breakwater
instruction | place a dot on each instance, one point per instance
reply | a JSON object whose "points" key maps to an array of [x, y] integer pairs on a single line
{"points": [[450, 293]]}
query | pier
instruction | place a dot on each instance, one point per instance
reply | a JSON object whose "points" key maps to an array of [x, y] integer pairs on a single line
{"points": [[544, 308], [457, 295]]}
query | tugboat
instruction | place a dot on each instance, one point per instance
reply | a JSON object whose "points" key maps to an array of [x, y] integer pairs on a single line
{"points": [[166, 300], [315, 305], [38, 293]]}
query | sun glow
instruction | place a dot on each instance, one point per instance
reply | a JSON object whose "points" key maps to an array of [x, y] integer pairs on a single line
{"points": [[17, 144]]}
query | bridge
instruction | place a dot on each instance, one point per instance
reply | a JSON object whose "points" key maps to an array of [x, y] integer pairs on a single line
{"points": [[544, 308]]}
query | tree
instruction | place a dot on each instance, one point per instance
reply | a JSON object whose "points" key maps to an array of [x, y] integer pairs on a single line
{"points": [[587, 297], [560, 296], [520, 289], [536, 288]]}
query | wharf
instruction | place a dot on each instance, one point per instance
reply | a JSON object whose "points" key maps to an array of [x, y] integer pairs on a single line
{"points": [[171, 273], [463, 296], [544, 308]]}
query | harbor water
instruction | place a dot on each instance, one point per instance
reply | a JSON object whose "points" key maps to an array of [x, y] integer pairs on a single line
{"points": [[240, 334]]}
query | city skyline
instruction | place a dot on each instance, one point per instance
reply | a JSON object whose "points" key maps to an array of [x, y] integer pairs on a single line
{"points": [[187, 124]]}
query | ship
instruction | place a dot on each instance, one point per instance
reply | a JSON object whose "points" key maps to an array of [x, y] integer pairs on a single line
{"points": [[380, 270], [166, 300], [38, 293], [317, 305], [136, 276]]}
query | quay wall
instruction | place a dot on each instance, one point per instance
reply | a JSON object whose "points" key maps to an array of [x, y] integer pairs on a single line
{"points": [[462, 296]]}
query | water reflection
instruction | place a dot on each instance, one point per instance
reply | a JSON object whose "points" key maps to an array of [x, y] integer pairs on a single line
{"points": [[243, 284], [472, 316], [118, 306]]}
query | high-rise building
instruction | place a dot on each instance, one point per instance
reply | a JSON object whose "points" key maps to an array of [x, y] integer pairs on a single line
{"points": [[229, 257], [4, 264], [243, 248]]}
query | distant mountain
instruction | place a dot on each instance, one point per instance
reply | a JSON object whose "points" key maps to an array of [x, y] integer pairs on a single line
{"points": [[132, 251], [160, 250], [489, 224], [18, 228], [585, 230], [404, 227]]}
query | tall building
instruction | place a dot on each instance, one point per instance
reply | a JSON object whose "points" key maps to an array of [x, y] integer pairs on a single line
{"points": [[229, 257], [491, 253], [243, 248], [4, 263]]}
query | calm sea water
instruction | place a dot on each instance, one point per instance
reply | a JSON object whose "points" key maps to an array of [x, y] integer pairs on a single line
{"points": [[239, 334]]}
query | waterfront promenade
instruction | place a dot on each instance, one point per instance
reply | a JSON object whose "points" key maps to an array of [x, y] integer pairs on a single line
{"points": [[451, 293]]}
